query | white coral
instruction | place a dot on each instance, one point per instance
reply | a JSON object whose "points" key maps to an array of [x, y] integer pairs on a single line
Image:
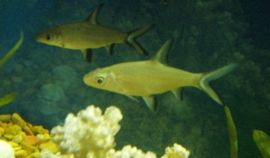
{"points": [[130, 152], [177, 151], [91, 134]]}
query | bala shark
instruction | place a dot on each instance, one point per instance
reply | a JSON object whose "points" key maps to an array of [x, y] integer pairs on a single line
{"points": [[89, 34], [151, 77]]}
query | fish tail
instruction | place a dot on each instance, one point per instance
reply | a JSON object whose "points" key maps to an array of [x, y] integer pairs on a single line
{"points": [[133, 35], [206, 78]]}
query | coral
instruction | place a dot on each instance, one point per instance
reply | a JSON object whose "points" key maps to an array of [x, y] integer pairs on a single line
{"points": [[177, 151], [26, 140], [129, 151], [90, 134]]}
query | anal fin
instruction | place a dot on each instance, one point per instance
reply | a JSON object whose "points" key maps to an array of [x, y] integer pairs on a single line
{"points": [[150, 102], [178, 93], [132, 98]]}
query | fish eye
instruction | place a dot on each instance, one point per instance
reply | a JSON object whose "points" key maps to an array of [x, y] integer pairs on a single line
{"points": [[48, 37], [100, 80]]}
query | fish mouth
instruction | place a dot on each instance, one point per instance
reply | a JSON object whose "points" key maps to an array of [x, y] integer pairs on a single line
{"points": [[85, 79], [39, 38]]}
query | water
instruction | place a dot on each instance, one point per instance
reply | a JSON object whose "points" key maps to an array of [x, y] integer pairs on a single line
{"points": [[208, 35]]}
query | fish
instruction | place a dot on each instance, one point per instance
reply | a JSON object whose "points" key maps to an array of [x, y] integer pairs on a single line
{"points": [[147, 78], [12, 51], [8, 98], [89, 34], [262, 141], [232, 132]]}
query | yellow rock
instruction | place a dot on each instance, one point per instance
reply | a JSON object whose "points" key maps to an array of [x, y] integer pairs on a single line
{"points": [[26, 140], [2, 131], [34, 155], [8, 136], [18, 138], [39, 130], [49, 146], [5, 118], [43, 137], [13, 130], [28, 148], [21, 153], [16, 118], [13, 144]]}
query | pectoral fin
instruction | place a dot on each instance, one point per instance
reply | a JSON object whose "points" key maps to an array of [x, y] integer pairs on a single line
{"points": [[132, 98], [92, 18], [87, 54], [150, 102], [178, 93]]}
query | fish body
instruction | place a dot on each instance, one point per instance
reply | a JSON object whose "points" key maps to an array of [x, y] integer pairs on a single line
{"points": [[262, 141], [81, 36], [89, 35], [142, 78], [151, 77]]}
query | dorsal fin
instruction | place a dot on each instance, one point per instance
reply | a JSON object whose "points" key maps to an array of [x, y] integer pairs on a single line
{"points": [[161, 55], [92, 18]]}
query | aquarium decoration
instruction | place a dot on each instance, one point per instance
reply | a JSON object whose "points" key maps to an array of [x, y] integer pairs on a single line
{"points": [[91, 134], [26, 140], [53, 87]]}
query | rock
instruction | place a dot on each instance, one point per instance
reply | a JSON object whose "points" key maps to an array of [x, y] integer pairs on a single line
{"points": [[65, 76], [52, 92]]}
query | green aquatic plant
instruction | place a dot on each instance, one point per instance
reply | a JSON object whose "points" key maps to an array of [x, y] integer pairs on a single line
{"points": [[262, 141], [232, 133], [12, 95]]}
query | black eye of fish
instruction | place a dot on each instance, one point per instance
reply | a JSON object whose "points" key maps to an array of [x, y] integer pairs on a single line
{"points": [[100, 80], [48, 37]]}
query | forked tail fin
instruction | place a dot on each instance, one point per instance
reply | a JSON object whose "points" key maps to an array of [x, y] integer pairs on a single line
{"points": [[208, 77], [133, 35]]}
